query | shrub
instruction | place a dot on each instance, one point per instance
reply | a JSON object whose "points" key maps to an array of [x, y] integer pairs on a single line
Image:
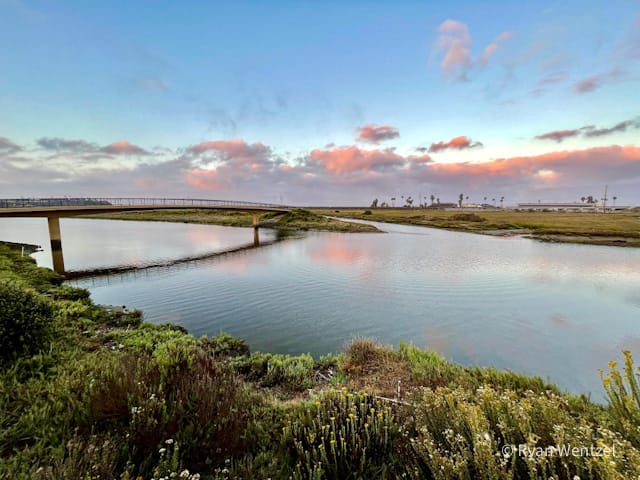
{"points": [[342, 435], [291, 372], [460, 433], [623, 391], [194, 400], [25, 321], [468, 217]]}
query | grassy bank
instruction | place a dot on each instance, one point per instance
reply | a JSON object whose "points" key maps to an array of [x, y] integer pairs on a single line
{"points": [[89, 392], [295, 220], [616, 229]]}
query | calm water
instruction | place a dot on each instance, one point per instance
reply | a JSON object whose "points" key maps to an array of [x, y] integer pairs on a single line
{"points": [[559, 311]]}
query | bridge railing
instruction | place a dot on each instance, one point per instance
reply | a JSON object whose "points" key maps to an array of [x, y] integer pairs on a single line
{"points": [[128, 202]]}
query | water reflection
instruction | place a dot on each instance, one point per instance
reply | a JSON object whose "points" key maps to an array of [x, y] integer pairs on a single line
{"points": [[559, 311]]}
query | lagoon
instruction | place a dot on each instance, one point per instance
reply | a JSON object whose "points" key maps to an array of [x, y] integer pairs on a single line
{"points": [[560, 311]]}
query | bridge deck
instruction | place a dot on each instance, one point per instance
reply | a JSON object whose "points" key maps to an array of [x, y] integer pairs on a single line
{"points": [[75, 207]]}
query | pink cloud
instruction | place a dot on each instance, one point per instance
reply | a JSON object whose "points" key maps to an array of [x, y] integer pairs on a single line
{"points": [[596, 81], [457, 143], [593, 164], [492, 48], [123, 147], [341, 160], [206, 180], [377, 133], [454, 43]]}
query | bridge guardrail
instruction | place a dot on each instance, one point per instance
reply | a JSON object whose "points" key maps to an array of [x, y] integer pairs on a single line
{"points": [[127, 202]]}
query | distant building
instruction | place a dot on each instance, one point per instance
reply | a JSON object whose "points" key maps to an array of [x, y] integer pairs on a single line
{"points": [[569, 206]]}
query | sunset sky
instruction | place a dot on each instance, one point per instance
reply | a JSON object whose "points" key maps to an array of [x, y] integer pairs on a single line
{"points": [[332, 102]]}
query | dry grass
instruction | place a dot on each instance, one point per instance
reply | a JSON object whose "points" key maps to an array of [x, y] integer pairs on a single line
{"points": [[619, 228]]}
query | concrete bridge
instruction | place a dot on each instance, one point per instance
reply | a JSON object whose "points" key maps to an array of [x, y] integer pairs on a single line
{"points": [[54, 208]]}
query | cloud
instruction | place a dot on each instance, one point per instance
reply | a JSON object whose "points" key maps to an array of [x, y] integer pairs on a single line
{"points": [[123, 147], [589, 131], [219, 164], [630, 46], [153, 84], [377, 133], [454, 44], [594, 82], [552, 79], [618, 127], [558, 135], [58, 144], [236, 150], [456, 143], [555, 171], [345, 160], [7, 146]]}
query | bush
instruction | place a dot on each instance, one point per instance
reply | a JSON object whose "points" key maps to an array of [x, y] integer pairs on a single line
{"points": [[25, 321], [292, 373], [342, 435], [188, 397], [623, 391], [467, 217]]}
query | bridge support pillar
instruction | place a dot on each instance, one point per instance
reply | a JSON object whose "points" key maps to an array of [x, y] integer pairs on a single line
{"points": [[55, 237], [256, 236]]}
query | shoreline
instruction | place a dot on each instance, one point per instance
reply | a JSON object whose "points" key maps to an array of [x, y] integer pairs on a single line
{"points": [[554, 227]]}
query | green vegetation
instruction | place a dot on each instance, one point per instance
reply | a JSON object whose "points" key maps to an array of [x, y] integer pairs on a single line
{"points": [[90, 392], [298, 219], [616, 229]]}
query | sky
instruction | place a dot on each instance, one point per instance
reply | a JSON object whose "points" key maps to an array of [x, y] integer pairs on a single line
{"points": [[321, 103]]}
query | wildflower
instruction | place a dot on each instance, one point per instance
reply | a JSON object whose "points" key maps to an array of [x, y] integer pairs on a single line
{"points": [[169, 441], [184, 474], [162, 451]]}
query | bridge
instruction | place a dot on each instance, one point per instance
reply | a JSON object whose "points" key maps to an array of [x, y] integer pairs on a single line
{"points": [[54, 208]]}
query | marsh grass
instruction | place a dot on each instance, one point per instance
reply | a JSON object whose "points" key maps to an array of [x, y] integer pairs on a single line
{"points": [[297, 219], [619, 228]]}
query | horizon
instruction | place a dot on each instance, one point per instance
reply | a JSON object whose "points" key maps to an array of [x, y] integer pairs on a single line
{"points": [[333, 104]]}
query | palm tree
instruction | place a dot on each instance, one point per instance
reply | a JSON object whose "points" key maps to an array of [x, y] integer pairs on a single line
{"points": [[494, 201], [501, 200], [460, 198], [485, 199], [583, 199], [433, 199], [393, 201], [614, 201]]}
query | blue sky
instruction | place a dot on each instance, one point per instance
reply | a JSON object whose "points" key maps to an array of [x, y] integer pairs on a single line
{"points": [[303, 77]]}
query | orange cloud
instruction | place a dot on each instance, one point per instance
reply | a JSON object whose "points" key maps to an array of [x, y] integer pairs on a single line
{"points": [[377, 133], [205, 179], [457, 143], [595, 164], [123, 147], [342, 160]]}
